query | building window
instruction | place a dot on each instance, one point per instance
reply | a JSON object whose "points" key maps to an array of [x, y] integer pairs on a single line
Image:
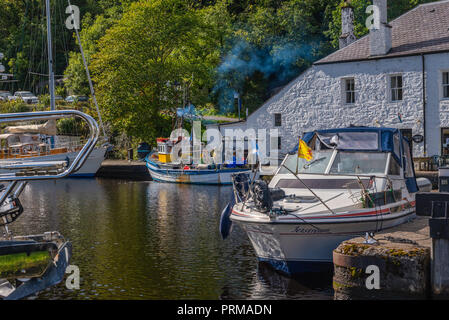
{"points": [[446, 85], [349, 91], [396, 88], [277, 119], [279, 143]]}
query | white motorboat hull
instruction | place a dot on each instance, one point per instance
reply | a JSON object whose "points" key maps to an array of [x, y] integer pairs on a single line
{"points": [[355, 180], [89, 169], [306, 245], [193, 176]]}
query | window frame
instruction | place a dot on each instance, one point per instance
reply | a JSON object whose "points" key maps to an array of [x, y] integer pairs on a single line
{"points": [[444, 85], [345, 91], [396, 89], [277, 116]]}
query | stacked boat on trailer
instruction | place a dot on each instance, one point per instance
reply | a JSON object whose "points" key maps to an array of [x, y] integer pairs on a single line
{"points": [[355, 181]]}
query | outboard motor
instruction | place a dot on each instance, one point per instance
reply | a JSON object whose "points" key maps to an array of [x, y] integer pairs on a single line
{"points": [[241, 182], [262, 196], [143, 150]]}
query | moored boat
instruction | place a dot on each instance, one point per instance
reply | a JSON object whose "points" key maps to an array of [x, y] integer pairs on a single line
{"points": [[163, 169], [358, 181], [40, 143]]}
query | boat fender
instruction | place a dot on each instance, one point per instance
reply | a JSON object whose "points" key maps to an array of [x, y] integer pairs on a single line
{"points": [[225, 221], [262, 197]]}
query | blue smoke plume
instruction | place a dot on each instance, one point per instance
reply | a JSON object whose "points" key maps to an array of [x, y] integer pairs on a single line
{"points": [[277, 63]]}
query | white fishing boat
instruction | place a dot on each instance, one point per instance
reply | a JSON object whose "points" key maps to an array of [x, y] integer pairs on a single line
{"points": [[162, 169], [359, 181]]}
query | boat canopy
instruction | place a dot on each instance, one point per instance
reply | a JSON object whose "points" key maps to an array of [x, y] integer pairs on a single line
{"points": [[357, 139], [48, 128], [18, 140], [367, 139]]}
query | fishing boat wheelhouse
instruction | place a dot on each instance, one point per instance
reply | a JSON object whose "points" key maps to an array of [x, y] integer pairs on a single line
{"points": [[164, 148]]}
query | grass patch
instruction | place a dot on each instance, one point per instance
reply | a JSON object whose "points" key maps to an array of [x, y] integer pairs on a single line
{"points": [[13, 264]]}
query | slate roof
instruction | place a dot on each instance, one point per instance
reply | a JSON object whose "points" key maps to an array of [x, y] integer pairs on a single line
{"points": [[424, 29]]}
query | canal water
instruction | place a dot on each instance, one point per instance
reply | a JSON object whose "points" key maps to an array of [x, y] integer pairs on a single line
{"points": [[148, 240]]}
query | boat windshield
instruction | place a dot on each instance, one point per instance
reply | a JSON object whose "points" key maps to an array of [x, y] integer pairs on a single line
{"points": [[359, 163], [344, 163], [317, 164]]}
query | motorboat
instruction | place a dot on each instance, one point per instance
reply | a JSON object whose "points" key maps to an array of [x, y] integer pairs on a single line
{"points": [[32, 263], [358, 181]]}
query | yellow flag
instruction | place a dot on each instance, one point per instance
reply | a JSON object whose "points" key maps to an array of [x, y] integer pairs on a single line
{"points": [[304, 151]]}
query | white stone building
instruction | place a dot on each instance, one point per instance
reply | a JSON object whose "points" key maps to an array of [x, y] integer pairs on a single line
{"points": [[397, 76]]}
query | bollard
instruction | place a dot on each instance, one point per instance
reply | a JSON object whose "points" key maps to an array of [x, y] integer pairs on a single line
{"points": [[436, 206], [130, 154]]}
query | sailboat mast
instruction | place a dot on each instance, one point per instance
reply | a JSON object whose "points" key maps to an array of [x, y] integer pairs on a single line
{"points": [[50, 59], [92, 91]]}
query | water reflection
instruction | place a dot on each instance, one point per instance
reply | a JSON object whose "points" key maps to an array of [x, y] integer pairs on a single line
{"points": [[137, 240]]}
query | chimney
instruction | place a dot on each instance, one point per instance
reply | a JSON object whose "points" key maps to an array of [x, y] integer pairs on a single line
{"points": [[347, 25], [380, 32]]}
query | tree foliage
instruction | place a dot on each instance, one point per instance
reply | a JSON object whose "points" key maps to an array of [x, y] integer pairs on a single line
{"points": [[145, 58]]}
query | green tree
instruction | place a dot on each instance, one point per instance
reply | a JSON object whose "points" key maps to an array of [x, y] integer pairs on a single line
{"points": [[144, 58], [93, 29]]}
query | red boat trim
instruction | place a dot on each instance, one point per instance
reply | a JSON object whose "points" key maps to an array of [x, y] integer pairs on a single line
{"points": [[336, 216]]}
